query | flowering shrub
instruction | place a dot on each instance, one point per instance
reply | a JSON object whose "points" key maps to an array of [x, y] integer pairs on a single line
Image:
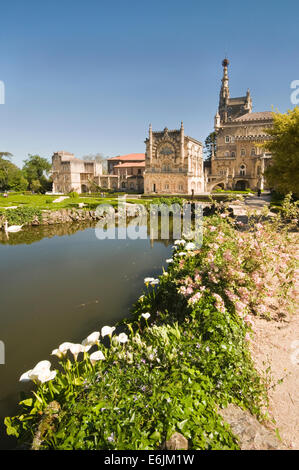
{"points": [[181, 355]]}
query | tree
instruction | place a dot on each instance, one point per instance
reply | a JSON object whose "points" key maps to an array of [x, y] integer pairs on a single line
{"points": [[99, 158], [283, 171], [36, 169], [208, 147], [5, 154], [11, 177]]}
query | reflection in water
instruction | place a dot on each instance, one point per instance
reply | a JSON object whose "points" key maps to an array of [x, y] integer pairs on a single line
{"points": [[59, 283], [30, 235]]}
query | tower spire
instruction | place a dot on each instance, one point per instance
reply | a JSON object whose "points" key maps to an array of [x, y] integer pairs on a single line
{"points": [[224, 93]]}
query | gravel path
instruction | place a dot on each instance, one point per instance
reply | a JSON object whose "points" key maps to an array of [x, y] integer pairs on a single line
{"points": [[275, 343]]}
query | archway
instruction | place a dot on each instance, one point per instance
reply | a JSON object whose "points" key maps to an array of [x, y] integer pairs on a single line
{"points": [[218, 186], [84, 188], [241, 185]]}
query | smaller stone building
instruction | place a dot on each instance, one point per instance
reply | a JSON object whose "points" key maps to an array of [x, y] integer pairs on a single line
{"points": [[125, 173], [72, 174], [173, 163]]}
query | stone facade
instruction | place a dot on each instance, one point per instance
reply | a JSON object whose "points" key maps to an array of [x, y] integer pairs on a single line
{"points": [[72, 174], [239, 161], [173, 163]]}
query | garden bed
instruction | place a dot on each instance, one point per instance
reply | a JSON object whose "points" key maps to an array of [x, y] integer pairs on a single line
{"points": [[181, 356]]}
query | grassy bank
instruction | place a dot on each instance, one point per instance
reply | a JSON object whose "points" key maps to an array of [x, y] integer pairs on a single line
{"points": [[46, 202], [20, 209], [181, 355]]}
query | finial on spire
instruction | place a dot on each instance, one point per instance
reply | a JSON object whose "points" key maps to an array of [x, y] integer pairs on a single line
{"points": [[182, 125], [225, 62]]}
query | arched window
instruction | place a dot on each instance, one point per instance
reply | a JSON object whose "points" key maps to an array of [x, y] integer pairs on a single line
{"points": [[242, 170], [253, 152], [243, 152], [227, 154], [227, 139], [233, 154]]}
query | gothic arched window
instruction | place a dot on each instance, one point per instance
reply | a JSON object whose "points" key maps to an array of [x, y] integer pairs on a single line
{"points": [[242, 170]]}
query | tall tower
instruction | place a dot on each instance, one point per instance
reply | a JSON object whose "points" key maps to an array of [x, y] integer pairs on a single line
{"points": [[230, 108], [224, 92]]}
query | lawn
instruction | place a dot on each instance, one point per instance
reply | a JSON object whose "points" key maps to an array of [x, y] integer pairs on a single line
{"points": [[45, 202]]}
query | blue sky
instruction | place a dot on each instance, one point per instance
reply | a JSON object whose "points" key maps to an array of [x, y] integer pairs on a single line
{"points": [[89, 76]]}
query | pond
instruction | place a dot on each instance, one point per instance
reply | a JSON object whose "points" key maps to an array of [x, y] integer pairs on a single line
{"points": [[59, 284]]}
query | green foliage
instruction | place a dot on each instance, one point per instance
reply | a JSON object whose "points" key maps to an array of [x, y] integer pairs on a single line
{"points": [[168, 201], [209, 143], [11, 177], [21, 215], [177, 369], [35, 169], [73, 194], [247, 191], [5, 154], [283, 172]]}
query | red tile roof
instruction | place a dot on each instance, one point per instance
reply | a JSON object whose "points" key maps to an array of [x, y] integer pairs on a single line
{"points": [[129, 164], [129, 157]]}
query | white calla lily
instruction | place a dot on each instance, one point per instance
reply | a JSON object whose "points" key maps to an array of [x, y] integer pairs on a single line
{"points": [[107, 330], [91, 339], [146, 315], [45, 376], [42, 366], [57, 353], [180, 242], [190, 246], [96, 356], [122, 338], [64, 347], [26, 376], [76, 349]]}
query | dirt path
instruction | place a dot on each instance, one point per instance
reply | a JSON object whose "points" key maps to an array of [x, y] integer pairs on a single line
{"points": [[276, 344]]}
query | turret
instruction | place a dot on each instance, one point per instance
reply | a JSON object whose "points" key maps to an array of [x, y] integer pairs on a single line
{"points": [[248, 103], [182, 142], [150, 132], [217, 121]]}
